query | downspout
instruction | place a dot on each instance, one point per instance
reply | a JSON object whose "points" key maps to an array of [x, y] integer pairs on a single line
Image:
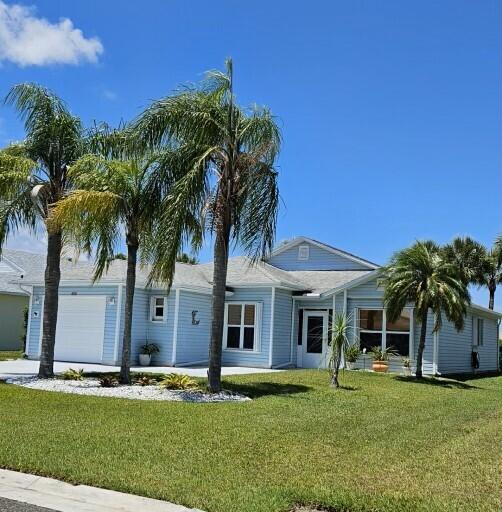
{"points": [[175, 328], [271, 334]]}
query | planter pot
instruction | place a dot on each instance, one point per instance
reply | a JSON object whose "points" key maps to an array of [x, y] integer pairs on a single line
{"points": [[380, 366], [145, 359], [350, 365]]}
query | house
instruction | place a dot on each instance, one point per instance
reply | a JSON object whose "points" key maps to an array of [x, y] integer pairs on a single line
{"points": [[14, 297], [277, 314]]}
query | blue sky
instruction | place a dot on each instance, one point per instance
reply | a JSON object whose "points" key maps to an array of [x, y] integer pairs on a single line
{"points": [[391, 111]]}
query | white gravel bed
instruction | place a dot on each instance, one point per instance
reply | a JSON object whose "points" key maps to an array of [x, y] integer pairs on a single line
{"points": [[90, 386]]}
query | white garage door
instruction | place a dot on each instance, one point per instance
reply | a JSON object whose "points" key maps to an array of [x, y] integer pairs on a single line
{"points": [[80, 328]]}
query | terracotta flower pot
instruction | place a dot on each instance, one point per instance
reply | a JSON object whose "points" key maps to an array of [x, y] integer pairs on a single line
{"points": [[380, 366]]}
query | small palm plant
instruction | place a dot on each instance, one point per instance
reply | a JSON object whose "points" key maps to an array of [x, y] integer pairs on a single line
{"points": [[339, 344]]}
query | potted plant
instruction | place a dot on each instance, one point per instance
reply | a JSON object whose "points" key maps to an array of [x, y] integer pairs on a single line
{"points": [[381, 358], [146, 352], [351, 356], [407, 366]]}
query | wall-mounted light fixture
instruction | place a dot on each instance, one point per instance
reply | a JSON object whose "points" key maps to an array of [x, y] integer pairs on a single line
{"points": [[36, 300], [111, 300]]}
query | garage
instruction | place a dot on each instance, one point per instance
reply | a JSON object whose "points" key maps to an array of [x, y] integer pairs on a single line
{"points": [[80, 328]]}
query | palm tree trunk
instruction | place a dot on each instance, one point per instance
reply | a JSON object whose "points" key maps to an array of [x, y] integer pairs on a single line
{"points": [[132, 253], [421, 345], [52, 278], [218, 307], [492, 288]]}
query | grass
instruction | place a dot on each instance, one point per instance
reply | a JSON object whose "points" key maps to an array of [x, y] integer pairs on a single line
{"points": [[6, 355], [382, 444]]}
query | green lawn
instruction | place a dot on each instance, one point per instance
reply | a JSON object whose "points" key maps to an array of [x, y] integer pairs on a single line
{"points": [[384, 443], [5, 355]]}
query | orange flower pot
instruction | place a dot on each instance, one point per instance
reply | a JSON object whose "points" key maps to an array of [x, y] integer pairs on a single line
{"points": [[380, 366]]}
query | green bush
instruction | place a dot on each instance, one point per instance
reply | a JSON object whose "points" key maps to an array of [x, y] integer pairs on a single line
{"points": [[176, 381], [352, 353], [72, 374]]}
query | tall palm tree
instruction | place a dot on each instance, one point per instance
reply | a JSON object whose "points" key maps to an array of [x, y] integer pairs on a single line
{"points": [[421, 275], [118, 189], [230, 183], [34, 177], [477, 264]]}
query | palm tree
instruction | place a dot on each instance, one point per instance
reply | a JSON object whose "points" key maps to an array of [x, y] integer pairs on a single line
{"points": [[186, 258], [34, 177], [477, 264], [420, 274], [119, 188], [339, 343], [230, 183]]}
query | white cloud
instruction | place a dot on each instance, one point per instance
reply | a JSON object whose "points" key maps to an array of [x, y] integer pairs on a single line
{"points": [[30, 41], [109, 95]]}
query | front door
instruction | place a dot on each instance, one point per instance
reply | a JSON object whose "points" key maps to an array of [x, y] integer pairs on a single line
{"points": [[314, 339]]}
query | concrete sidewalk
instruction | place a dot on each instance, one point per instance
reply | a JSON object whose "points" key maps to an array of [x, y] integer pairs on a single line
{"points": [[29, 368], [63, 497]]}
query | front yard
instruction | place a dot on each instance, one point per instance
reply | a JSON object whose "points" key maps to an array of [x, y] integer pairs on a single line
{"points": [[382, 444]]}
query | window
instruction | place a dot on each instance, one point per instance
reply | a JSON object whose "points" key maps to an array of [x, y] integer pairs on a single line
{"points": [[478, 332], [375, 330], [303, 252], [241, 326], [158, 309], [370, 328]]}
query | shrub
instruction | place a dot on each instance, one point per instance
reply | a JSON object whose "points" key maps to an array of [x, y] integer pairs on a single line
{"points": [[72, 374], [149, 348], [352, 353], [108, 381], [176, 381], [145, 380], [380, 354]]}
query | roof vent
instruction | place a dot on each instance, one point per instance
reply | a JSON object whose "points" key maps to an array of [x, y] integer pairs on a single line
{"points": [[303, 252]]}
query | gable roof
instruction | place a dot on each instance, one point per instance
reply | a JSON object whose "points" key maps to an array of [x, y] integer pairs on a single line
{"points": [[303, 239], [15, 265]]}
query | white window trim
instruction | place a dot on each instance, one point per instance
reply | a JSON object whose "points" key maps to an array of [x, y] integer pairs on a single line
{"points": [[384, 328], [257, 327], [154, 319], [305, 256]]}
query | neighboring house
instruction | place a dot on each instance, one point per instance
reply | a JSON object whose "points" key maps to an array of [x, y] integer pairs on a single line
{"points": [[277, 314], [14, 297]]}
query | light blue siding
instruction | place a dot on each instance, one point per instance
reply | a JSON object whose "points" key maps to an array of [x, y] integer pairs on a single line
{"points": [[193, 339], [367, 289], [36, 314], [282, 328], [249, 358], [319, 259], [455, 347]]}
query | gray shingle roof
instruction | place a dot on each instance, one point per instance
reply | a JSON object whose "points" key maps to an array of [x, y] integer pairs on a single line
{"points": [[241, 272], [320, 281]]}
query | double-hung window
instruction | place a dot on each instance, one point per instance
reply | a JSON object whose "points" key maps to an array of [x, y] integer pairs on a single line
{"points": [[158, 309], [376, 330], [241, 331]]}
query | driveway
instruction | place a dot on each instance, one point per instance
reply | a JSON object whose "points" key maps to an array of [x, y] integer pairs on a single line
{"points": [[29, 368], [18, 506]]}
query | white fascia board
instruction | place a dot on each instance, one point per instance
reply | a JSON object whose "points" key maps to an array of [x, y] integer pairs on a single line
{"points": [[486, 311]]}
